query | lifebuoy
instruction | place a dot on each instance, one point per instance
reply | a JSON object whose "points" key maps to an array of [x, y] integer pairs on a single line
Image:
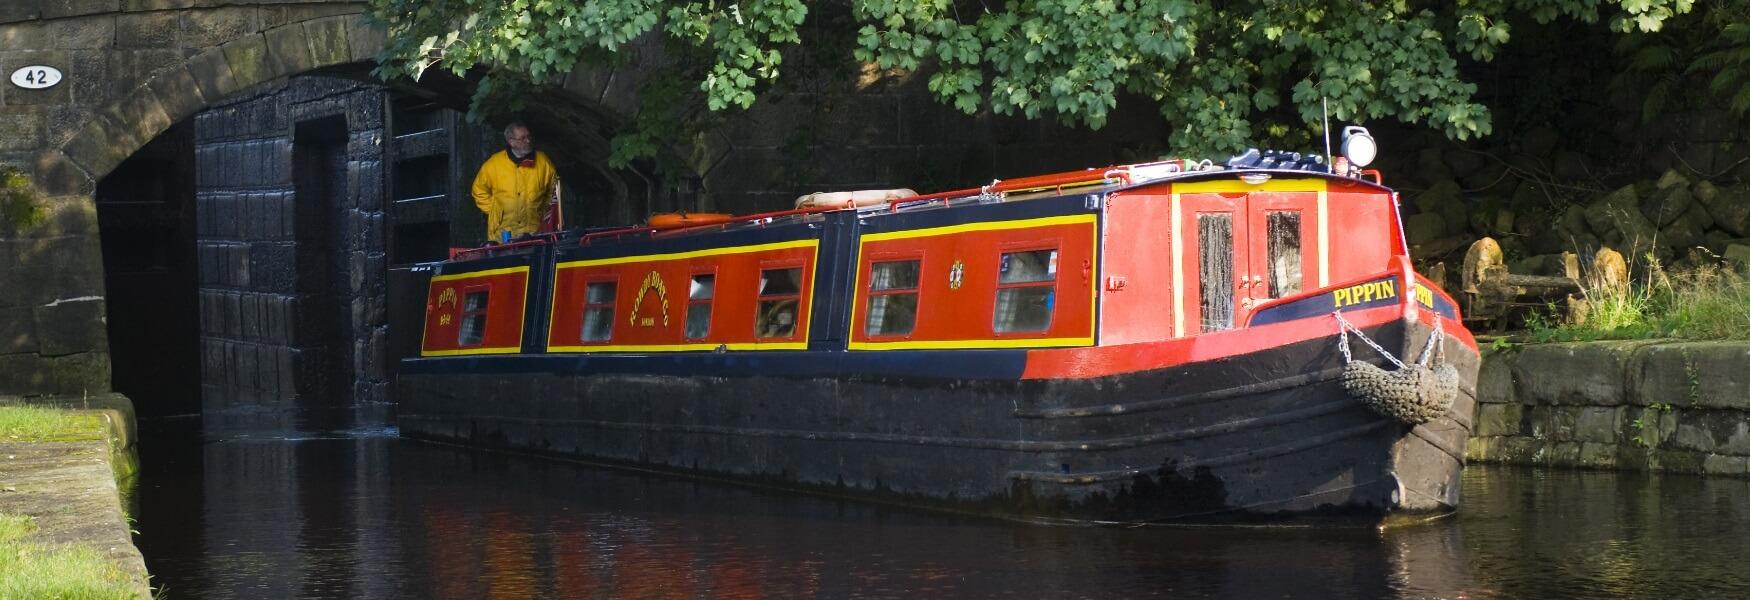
{"points": [[679, 220]]}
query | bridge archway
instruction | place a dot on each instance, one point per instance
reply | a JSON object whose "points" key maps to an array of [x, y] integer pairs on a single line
{"points": [[65, 343]]}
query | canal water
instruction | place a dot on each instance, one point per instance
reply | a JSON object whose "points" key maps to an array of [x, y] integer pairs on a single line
{"points": [[365, 514]]}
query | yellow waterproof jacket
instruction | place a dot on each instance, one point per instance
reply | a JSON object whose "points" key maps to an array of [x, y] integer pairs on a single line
{"points": [[513, 197]]}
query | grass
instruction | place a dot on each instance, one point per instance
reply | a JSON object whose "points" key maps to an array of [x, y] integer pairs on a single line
{"points": [[33, 424], [32, 570], [1707, 302]]}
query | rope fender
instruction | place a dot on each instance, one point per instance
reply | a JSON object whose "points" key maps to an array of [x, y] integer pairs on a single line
{"points": [[1413, 394]]}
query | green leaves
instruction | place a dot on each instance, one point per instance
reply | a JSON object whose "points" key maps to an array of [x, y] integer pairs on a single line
{"points": [[1213, 68]]}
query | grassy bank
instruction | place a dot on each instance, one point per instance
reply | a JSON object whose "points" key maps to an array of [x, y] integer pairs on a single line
{"points": [[33, 424], [29, 567], [32, 570], [1703, 303]]}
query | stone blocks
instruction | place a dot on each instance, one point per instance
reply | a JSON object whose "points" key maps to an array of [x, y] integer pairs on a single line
{"points": [[212, 72], [1705, 374], [1588, 373], [363, 39], [71, 326], [147, 30], [288, 50], [249, 61], [1648, 405], [327, 41], [208, 27]]}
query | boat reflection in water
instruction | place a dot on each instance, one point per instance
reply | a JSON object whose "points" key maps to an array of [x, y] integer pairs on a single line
{"points": [[378, 517]]}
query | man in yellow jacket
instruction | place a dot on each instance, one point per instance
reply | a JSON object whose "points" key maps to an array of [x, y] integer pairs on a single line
{"points": [[514, 186]]}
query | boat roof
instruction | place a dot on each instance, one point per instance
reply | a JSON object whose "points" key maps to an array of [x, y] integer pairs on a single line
{"points": [[1113, 179]]}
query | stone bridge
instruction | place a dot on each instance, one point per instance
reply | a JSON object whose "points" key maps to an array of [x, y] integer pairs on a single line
{"points": [[136, 68], [132, 69]]}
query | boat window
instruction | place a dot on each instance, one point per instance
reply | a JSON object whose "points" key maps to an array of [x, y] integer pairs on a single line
{"points": [[1026, 291], [473, 329], [780, 296], [893, 297], [1215, 282], [598, 311], [1284, 249], [704, 287]]}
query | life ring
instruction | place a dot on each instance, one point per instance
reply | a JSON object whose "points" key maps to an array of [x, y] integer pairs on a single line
{"points": [[661, 221]]}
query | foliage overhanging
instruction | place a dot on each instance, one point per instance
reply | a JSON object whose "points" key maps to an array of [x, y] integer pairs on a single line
{"points": [[1217, 70]]}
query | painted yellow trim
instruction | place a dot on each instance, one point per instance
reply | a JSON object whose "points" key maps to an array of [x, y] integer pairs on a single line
{"points": [[468, 351], [808, 308], [1178, 243], [486, 273], [681, 347], [521, 323], [859, 296], [1235, 186], [1324, 239], [974, 344], [692, 254], [1094, 286], [1088, 218]]}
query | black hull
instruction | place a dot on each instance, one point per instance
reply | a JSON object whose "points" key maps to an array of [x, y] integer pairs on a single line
{"points": [[1265, 435]]}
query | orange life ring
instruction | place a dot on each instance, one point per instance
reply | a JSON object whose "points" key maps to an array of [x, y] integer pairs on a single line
{"points": [[678, 220]]}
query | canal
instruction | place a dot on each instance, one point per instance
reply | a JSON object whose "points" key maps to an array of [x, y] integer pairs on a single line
{"points": [[365, 514]]}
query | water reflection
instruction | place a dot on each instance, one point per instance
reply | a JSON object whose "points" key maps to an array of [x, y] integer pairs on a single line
{"points": [[366, 515]]}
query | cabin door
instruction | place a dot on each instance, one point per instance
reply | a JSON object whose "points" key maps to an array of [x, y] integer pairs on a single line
{"points": [[1283, 242], [1214, 261]]}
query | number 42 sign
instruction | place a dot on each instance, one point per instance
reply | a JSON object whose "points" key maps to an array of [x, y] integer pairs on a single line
{"points": [[36, 77]]}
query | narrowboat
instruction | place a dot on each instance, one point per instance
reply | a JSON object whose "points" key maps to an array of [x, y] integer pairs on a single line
{"points": [[1170, 341]]}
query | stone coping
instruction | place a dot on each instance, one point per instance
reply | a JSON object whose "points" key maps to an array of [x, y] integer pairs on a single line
{"points": [[69, 488]]}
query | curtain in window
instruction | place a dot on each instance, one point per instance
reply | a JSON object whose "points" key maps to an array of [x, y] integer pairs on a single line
{"points": [[1284, 250], [1215, 282], [473, 328]]}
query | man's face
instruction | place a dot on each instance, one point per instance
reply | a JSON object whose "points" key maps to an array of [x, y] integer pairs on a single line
{"points": [[519, 140]]}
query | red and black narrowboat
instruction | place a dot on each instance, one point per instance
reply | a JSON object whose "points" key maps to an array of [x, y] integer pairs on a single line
{"points": [[1142, 343]]}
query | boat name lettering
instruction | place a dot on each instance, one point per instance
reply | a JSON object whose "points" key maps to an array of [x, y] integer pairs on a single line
{"points": [[1366, 292], [1424, 296], [652, 281]]}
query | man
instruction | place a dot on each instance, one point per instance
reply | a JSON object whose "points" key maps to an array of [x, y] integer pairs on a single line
{"points": [[514, 187]]}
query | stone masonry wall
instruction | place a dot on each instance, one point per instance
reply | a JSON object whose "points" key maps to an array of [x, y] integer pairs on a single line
{"points": [[132, 67], [272, 337], [1635, 405]]}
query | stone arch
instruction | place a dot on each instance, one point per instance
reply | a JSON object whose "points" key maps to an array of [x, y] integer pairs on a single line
{"points": [[65, 347], [125, 124]]}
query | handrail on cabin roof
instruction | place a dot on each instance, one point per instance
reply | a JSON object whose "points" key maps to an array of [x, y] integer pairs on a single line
{"points": [[1112, 175]]}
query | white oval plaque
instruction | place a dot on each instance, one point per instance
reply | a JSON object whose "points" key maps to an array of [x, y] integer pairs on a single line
{"points": [[36, 77]]}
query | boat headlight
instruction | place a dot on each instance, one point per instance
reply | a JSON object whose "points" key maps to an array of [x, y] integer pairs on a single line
{"points": [[1358, 145], [1255, 178]]}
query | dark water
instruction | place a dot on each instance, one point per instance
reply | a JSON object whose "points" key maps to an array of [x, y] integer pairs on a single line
{"points": [[364, 514]]}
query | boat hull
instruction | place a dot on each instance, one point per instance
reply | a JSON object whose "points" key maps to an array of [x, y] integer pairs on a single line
{"points": [[1269, 434]]}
